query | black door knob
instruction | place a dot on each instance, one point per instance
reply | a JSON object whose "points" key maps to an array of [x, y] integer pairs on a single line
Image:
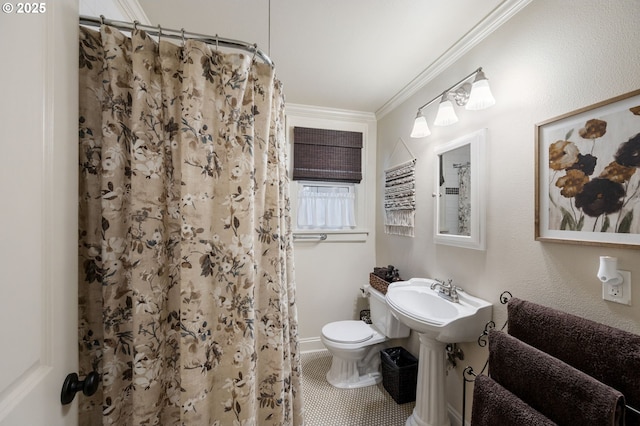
{"points": [[72, 384]]}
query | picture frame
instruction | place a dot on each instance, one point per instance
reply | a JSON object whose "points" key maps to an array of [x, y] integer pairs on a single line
{"points": [[587, 175]]}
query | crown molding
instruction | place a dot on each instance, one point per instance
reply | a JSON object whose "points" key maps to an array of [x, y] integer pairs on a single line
{"points": [[329, 113], [133, 11], [492, 22]]}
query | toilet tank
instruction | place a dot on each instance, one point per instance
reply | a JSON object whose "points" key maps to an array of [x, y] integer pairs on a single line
{"points": [[382, 317]]}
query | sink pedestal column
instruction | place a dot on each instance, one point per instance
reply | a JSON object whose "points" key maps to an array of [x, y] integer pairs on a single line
{"points": [[431, 405]]}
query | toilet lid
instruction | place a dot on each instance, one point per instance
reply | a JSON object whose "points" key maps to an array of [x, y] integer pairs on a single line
{"points": [[347, 331]]}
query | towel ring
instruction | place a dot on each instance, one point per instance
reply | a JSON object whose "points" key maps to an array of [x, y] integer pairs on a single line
{"points": [[468, 374], [505, 297]]}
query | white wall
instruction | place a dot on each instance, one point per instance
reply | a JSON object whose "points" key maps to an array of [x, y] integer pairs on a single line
{"points": [[120, 10], [551, 58], [330, 273]]}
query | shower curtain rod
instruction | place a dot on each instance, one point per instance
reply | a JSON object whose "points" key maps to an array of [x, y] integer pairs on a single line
{"points": [[177, 34]]}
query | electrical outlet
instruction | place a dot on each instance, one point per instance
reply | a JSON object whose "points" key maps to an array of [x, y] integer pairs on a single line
{"points": [[615, 290], [620, 293]]}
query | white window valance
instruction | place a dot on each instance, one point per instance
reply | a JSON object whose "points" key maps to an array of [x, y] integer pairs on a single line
{"points": [[326, 207]]}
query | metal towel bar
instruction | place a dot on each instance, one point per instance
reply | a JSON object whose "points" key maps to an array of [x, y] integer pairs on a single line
{"points": [[320, 237], [469, 375]]}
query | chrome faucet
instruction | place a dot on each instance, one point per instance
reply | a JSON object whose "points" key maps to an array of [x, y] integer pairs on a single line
{"points": [[447, 290]]}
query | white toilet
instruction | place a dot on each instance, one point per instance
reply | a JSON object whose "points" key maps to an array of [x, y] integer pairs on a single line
{"points": [[355, 345]]}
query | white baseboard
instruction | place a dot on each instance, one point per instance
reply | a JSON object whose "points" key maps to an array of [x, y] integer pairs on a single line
{"points": [[311, 344], [455, 417]]}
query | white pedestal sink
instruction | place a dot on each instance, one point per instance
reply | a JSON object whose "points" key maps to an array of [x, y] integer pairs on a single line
{"points": [[437, 321]]}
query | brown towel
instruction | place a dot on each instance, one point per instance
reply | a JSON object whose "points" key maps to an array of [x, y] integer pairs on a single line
{"points": [[560, 392], [608, 354], [493, 405]]}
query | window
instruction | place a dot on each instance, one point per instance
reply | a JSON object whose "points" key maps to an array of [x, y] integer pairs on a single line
{"points": [[326, 206], [329, 164], [327, 155]]}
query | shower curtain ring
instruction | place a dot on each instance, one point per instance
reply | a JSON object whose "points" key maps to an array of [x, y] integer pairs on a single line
{"points": [[135, 25], [182, 32], [159, 32], [101, 19], [255, 51], [216, 42]]}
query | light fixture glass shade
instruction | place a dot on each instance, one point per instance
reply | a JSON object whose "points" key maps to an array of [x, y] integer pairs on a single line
{"points": [[446, 114], [480, 96], [420, 127]]}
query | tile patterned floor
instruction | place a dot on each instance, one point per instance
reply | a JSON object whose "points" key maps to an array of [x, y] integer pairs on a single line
{"points": [[326, 405]]}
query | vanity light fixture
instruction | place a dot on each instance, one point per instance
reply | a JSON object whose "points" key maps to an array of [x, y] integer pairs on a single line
{"points": [[474, 96], [480, 96], [446, 114], [420, 127]]}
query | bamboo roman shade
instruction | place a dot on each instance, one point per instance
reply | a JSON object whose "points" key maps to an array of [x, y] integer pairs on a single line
{"points": [[327, 155]]}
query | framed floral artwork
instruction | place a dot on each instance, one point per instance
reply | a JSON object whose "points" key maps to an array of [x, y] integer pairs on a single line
{"points": [[587, 175]]}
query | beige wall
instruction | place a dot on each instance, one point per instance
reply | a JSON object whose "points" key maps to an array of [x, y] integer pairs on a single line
{"points": [[329, 273], [551, 58]]}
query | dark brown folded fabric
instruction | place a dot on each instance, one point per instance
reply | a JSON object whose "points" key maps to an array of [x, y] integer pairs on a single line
{"points": [[560, 392], [608, 354], [493, 405]]}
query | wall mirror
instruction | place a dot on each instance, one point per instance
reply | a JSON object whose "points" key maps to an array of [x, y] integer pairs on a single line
{"points": [[460, 192]]}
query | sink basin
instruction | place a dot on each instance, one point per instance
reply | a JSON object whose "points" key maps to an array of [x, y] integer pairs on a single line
{"points": [[437, 321], [426, 311]]}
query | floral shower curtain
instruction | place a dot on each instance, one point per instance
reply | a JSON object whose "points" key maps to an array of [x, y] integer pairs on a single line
{"points": [[464, 200], [187, 306]]}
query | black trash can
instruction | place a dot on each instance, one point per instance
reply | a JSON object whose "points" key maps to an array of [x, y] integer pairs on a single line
{"points": [[399, 374]]}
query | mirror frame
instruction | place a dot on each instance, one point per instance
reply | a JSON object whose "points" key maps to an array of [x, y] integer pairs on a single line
{"points": [[477, 238]]}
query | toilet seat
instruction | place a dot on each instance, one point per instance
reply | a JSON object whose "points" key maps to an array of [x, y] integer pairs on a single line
{"points": [[355, 345], [350, 331]]}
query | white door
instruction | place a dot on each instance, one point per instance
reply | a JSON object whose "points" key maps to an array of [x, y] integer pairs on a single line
{"points": [[38, 210]]}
